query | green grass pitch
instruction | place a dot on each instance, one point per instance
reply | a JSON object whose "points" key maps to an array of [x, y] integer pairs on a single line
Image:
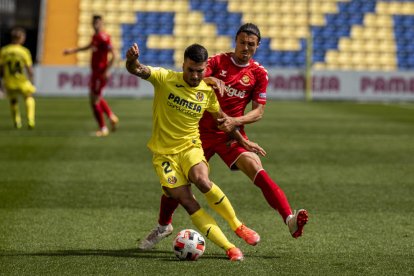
{"points": [[73, 204]]}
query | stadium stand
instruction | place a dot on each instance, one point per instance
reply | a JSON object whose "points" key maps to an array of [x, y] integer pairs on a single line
{"points": [[346, 34]]}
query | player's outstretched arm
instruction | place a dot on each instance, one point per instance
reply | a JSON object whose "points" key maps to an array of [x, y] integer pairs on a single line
{"points": [[70, 51], [133, 65]]}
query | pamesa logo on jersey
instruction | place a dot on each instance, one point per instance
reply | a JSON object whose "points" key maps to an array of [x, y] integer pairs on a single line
{"points": [[186, 106]]}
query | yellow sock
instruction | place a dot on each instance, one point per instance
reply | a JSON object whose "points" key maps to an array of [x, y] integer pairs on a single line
{"points": [[30, 110], [221, 204], [209, 228], [15, 112]]}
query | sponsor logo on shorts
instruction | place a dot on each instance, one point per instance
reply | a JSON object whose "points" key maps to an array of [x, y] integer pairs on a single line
{"points": [[262, 95]]}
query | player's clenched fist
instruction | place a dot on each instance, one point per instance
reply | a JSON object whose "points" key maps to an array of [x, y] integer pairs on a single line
{"points": [[133, 52], [133, 65]]}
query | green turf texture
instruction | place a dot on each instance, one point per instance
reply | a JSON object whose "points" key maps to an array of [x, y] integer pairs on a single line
{"points": [[73, 204]]}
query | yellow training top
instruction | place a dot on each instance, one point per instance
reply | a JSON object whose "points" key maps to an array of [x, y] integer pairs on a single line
{"points": [[14, 58]]}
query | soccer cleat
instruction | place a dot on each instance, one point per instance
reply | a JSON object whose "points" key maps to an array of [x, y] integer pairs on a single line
{"points": [[154, 237], [114, 122], [247, 234], [102, 133], [296, 222], [235, 254], [17, 125]]}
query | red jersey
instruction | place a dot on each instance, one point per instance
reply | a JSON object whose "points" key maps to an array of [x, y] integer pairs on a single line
{"points": [[244, 83], [101, 45]]}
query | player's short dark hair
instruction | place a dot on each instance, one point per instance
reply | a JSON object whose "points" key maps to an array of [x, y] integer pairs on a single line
{"points": [[196, 52], [97, 17], [249, 28], [17, 32]]}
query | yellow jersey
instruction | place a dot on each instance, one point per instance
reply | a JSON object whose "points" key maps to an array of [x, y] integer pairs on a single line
{"points": [[14, 58], [177, 109]]}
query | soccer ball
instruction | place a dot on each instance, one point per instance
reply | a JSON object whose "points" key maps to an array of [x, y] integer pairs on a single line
{"points": [[189, 245]]}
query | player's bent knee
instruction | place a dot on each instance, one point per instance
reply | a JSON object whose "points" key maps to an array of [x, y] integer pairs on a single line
{"points": [[204, 185]]}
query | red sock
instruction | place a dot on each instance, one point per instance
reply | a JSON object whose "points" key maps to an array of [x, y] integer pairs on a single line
{"points": [[167, 208], [98, 113], [273, 194], [105, 107]]}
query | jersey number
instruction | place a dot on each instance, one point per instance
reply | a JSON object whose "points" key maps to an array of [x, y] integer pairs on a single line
{"points": [[15, 67], [166, 165]]}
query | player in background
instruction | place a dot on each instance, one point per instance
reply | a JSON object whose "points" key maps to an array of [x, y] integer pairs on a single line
{"points": [[180, 99], [16, 71], [103, 57], [245, 81]]}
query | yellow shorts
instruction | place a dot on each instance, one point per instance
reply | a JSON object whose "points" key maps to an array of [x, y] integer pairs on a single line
{"points": [[173, 169], [26, 89]]}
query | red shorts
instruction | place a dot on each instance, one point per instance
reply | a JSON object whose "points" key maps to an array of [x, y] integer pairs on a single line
{"points": [[228, 152], [97, 83]]}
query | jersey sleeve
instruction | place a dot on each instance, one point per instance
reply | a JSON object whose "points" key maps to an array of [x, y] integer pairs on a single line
{"points": [[211, 66], [260, 88], [213, 105], [158, 75], [105, 40], [28, 58], [109, 42]]}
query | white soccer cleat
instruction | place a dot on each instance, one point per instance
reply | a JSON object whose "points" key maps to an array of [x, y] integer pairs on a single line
{"points": [[103, 132], [296, 222], [154, 237]]}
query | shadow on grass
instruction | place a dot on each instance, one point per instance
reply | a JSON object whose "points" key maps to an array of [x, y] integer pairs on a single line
{"points": [[118, 253], [122, 253]]}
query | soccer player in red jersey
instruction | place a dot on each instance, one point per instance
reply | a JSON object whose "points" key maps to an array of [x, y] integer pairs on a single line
{"points": [[245, 81], [101, 49]]}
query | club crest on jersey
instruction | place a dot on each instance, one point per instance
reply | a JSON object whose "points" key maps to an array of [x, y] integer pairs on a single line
{"points": [[200, 96], [172, 179], [245, 80]]}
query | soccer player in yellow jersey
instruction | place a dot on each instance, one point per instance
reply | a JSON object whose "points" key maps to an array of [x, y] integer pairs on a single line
{"points": [[16, 72], [180, 99]]}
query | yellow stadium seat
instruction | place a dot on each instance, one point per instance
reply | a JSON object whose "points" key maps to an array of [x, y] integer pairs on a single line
{"points": [[286, 7], [182, 5], [395, 8], [208, 30], [85, 5], [317, 19], [356, 45], [358, 58], [331, 57], [344, 58], [345, 45], [180, 30], [387, 46], [408, 8], [357, 32], [83, 41], [319, 66], [85, 29]]}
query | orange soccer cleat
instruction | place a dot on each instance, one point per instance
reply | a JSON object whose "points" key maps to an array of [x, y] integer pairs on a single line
{"points": [[235, 254], [247, 234]]}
